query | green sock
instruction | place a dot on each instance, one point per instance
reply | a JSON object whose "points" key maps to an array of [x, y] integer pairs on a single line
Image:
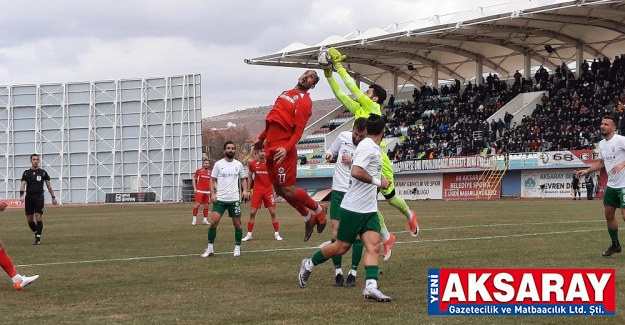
{"points": [[337, 260], [356, 254], [400, 204], [238, 234], [371, 272], [613, 235], [212, 233], [318, 258]]}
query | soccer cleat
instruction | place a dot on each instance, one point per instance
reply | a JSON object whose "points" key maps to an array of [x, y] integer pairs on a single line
{"points": [[205, 222], [193, 221], [413, 224], [208, 252], [309, 227], [611, 250], [37, 240], [339, 280], [25, 281], [375, 294], [237, 251], [321, 218], [351, 281], [277, 236], [304, 274], [247, 237], [388, 245]]}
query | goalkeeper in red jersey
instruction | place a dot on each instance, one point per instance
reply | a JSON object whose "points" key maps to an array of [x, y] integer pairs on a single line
{"points": [[284, 126]]}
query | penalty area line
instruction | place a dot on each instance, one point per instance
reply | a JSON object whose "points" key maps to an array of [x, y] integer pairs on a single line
{"points": [[290, 249]]}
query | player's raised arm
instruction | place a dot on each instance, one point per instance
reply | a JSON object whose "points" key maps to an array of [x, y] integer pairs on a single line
{"points": [[349, 103]]}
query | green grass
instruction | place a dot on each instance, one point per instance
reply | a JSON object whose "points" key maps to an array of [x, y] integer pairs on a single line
{"points": [[140, 264]]}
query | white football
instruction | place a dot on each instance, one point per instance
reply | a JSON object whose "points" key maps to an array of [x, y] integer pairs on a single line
{"points": [[324, 59]]}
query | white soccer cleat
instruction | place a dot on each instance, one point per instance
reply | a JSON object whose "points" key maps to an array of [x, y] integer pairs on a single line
{"points": [[193, 222], [26, 280], [237, 251], [209, 252], [247, 237], [205, 222], [375, 294], [304, 274], [277, 236]]}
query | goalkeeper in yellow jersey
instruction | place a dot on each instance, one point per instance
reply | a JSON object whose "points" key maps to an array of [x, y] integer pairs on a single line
{"points": [[364, 104]]}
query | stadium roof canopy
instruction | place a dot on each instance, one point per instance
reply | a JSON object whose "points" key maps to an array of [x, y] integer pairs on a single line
{"points": [[504, 38]]}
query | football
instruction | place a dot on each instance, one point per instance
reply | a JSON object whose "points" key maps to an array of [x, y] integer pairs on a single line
{"points": [[324, 59]]}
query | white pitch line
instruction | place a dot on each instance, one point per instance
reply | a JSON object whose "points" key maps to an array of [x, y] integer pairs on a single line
{"points": [[309, 248], [505, 225]]}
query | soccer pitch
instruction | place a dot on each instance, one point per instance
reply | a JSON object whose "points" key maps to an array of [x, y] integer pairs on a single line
{"points": [[140, 264]]}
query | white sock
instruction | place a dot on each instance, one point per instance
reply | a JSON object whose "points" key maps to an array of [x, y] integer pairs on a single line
{"points": [[17, 278], [385, 235], [309, 265], [307, 217], [338, 271], [249, 233], [275, 233], [237, 247], [194, 218], [371, 284], [205, 218], [408, 215], [210, 246], [352, 272], [319, 208]]}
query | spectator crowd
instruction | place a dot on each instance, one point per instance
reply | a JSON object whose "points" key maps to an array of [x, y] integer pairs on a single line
{"points": [[451, 122]]}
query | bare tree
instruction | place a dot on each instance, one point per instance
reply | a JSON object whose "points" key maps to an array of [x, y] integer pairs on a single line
{"points": [[213, 143]]}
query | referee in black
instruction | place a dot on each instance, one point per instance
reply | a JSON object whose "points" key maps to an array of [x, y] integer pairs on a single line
{"points": [[32, 184]]}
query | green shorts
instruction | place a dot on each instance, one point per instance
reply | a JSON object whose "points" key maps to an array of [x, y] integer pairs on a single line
{"points": [[387, 172], [613, 197], [233, 207], [335, 204], [353, 224]]}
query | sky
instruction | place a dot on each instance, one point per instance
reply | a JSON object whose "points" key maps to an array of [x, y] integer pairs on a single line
{"points": [[72, 41]]}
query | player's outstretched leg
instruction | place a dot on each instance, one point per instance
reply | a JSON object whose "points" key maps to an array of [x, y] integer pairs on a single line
{"points": [[19, 281]]}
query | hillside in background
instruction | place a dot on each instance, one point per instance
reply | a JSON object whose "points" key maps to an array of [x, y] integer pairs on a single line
{"points": [[254, 118]]}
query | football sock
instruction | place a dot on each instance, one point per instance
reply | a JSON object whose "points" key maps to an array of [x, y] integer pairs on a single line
{"points": [[337, 260], [318, 258], [276, 226], [614, 236], [195, 212], [212, 233], [39, 228], [371, 272], [250, 226], [238, 234], [33, 226], [401, 205], [6, 264], [295, 203], [385, 235], [306, 200], [381, 218], [205, 213], [356, 253]]}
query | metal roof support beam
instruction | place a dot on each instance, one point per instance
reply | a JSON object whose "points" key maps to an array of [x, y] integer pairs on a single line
{"points": [[527, 65], [435, 76], [399, 55], [479, 71], [590, 21], [442, 48], [408, 77], [579, 60], [395, 83]]}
